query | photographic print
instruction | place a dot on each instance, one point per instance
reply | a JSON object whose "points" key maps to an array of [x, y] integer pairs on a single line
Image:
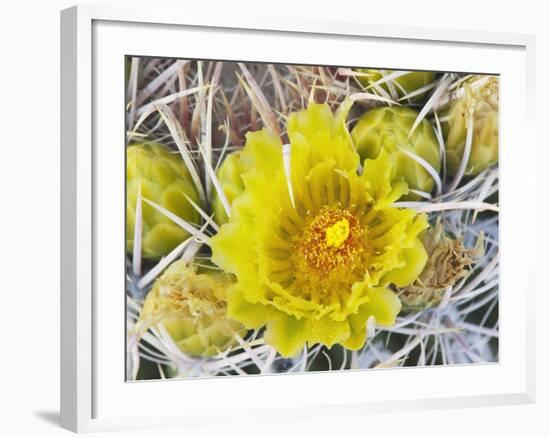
{"points": [[299, 218]]}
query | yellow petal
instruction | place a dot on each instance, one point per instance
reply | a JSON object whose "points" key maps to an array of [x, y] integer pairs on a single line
{"points": [[251, 315], [383, 304], [316, 134], [234, 258], [287, 334], [326, 331], [262, 151], [379, 175], [415, 259]]}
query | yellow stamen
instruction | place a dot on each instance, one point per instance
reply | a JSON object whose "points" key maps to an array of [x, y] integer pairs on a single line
{"points": [[337, 233]]}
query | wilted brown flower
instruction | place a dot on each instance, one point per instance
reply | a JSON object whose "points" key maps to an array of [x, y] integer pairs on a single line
{"points": [[448, 262]]}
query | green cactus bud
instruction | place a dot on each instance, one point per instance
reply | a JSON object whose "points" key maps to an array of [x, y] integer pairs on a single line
{"points": [[192, 309], [479, 100], [165, 180], [403, 85], [448, 262], [229, 175], [388, 128]]}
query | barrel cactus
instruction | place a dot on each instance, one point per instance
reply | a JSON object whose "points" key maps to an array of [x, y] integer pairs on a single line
{"points": [[191, 307], [387, 128], [163, 179], [403, 85], [229, 175], [478, 100]]}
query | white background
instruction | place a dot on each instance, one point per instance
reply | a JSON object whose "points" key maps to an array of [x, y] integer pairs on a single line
{"points": [[29, 218]]}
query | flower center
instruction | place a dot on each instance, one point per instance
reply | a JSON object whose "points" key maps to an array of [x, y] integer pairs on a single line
{"points": [[337, 234], [332, 238]]}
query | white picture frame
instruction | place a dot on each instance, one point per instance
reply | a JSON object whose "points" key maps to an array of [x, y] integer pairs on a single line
{"points": [[93, 397]]}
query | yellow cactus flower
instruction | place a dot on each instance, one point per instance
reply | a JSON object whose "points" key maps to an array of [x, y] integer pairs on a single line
{"points": [[388, 128], [406, 84], [314, 244], [192, 309], [229, 175], [480, 102], [163, 179]]}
